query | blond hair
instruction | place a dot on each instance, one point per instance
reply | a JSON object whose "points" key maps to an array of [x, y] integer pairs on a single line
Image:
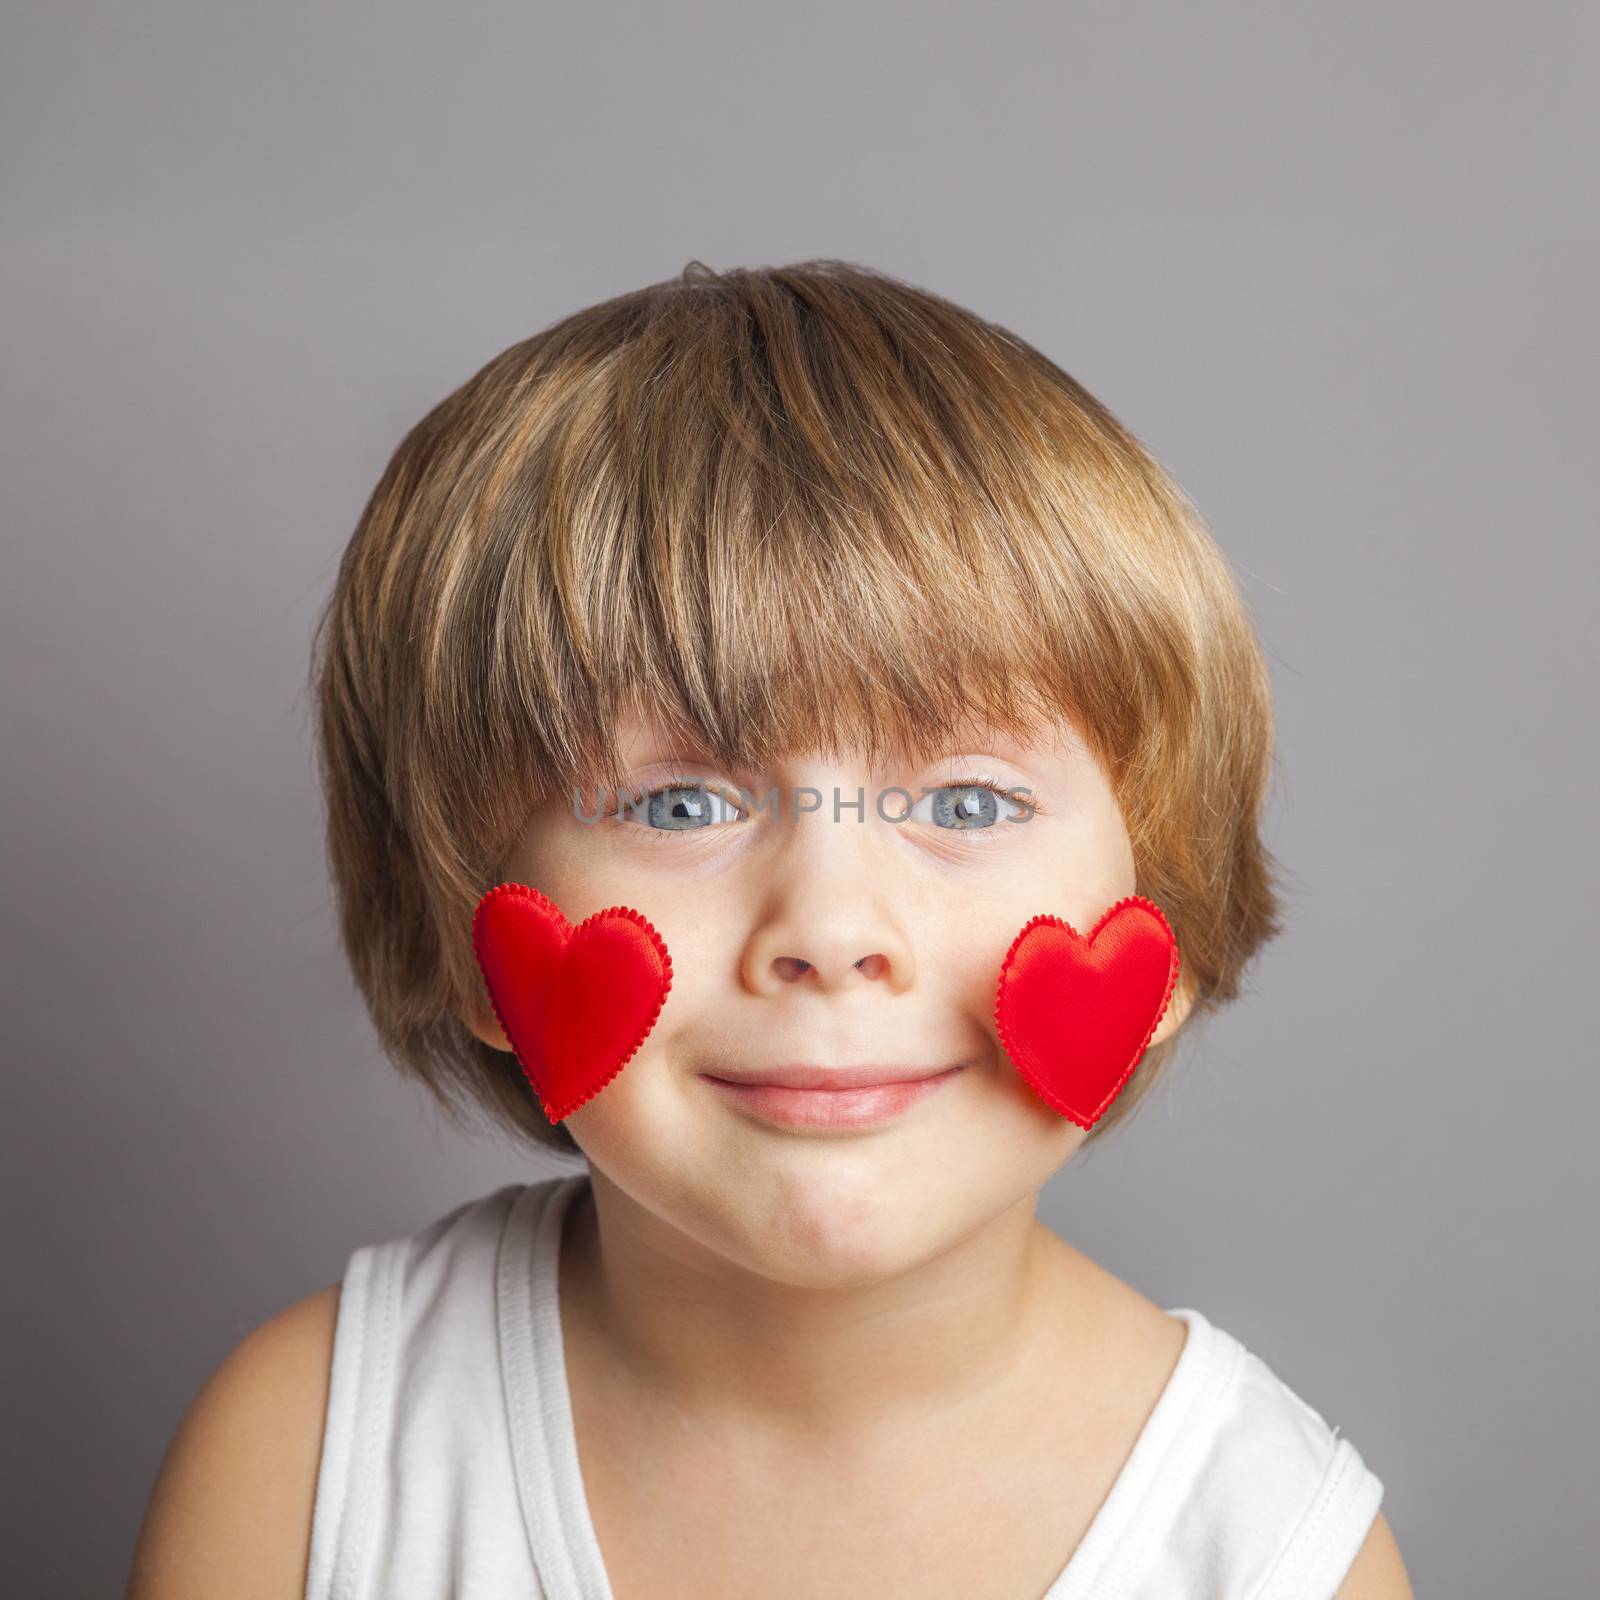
{"points": [[787, 508]]}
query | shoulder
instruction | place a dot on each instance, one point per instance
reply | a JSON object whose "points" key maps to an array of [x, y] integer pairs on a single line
{"points": [[236, 1497], [1280, 1451], [231, 1509], [1377, 1573], [1234, 1466]]}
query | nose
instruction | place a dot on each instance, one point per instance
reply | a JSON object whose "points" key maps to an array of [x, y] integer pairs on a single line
{"points": [[828, 964], [790, 969], [829, 925]]}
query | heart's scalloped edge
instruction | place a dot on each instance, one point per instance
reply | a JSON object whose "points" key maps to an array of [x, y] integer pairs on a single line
{"points": [[1007, 1038], [524, 890]]}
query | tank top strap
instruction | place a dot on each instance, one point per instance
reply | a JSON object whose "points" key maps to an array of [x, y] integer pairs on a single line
{"points": [[416, 1491], [1236, 1490], [353, 1430], [544, 1447]]}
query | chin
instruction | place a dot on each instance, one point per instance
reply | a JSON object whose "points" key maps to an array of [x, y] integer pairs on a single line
{"points": [[838, 1224]]}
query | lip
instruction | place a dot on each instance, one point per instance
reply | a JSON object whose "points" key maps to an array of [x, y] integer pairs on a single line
{"points": [[806, 1075], [819, 1097]]}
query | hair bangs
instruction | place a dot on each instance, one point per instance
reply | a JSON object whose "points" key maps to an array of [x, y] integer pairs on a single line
{"points": [[780, 534], [777, 511]]}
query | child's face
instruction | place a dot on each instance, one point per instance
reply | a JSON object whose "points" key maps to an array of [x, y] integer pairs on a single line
{"points": [[836, 943]]}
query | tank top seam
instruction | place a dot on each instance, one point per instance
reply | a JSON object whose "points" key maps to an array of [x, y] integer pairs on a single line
{"points": [[529, 1328], [1302, 1544], [371, 1421], [520, 1228], [1341, 1500], [340, 1420]]}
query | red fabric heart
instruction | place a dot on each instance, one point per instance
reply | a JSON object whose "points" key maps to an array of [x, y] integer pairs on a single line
{"points": [[575, 1002], [1075, 1015]]}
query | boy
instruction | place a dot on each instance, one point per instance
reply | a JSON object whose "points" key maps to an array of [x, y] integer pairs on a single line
{"points": [[813, 534]]}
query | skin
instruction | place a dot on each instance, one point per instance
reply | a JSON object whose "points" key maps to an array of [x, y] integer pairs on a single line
{"points": [[840, 1314], [867, 1266], [868, 1330]]}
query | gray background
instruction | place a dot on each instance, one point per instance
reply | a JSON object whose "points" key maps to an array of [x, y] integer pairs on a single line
{"points": [[1334, 264]]}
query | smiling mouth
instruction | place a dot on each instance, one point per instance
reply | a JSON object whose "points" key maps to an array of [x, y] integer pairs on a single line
{"points": [[807, 1075], [832, 1103]]}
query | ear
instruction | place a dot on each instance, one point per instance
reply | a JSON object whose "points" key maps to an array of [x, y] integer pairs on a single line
{"points": [[482, 1023], [1177, 1011]]}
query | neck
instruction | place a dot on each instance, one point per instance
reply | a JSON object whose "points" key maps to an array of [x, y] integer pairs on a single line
{"points": [[711, 1339]]}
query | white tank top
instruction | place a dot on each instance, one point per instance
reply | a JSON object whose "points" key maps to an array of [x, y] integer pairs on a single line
{"points": [[450, 1467]]}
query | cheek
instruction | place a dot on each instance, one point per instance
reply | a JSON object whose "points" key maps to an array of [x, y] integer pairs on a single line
{"points": [[637, 1120], [1104, 869], [1079, 891]]}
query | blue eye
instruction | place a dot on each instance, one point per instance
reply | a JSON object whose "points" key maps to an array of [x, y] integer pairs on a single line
{"points": [[678, 808], [687, 805], [971, 806]]}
